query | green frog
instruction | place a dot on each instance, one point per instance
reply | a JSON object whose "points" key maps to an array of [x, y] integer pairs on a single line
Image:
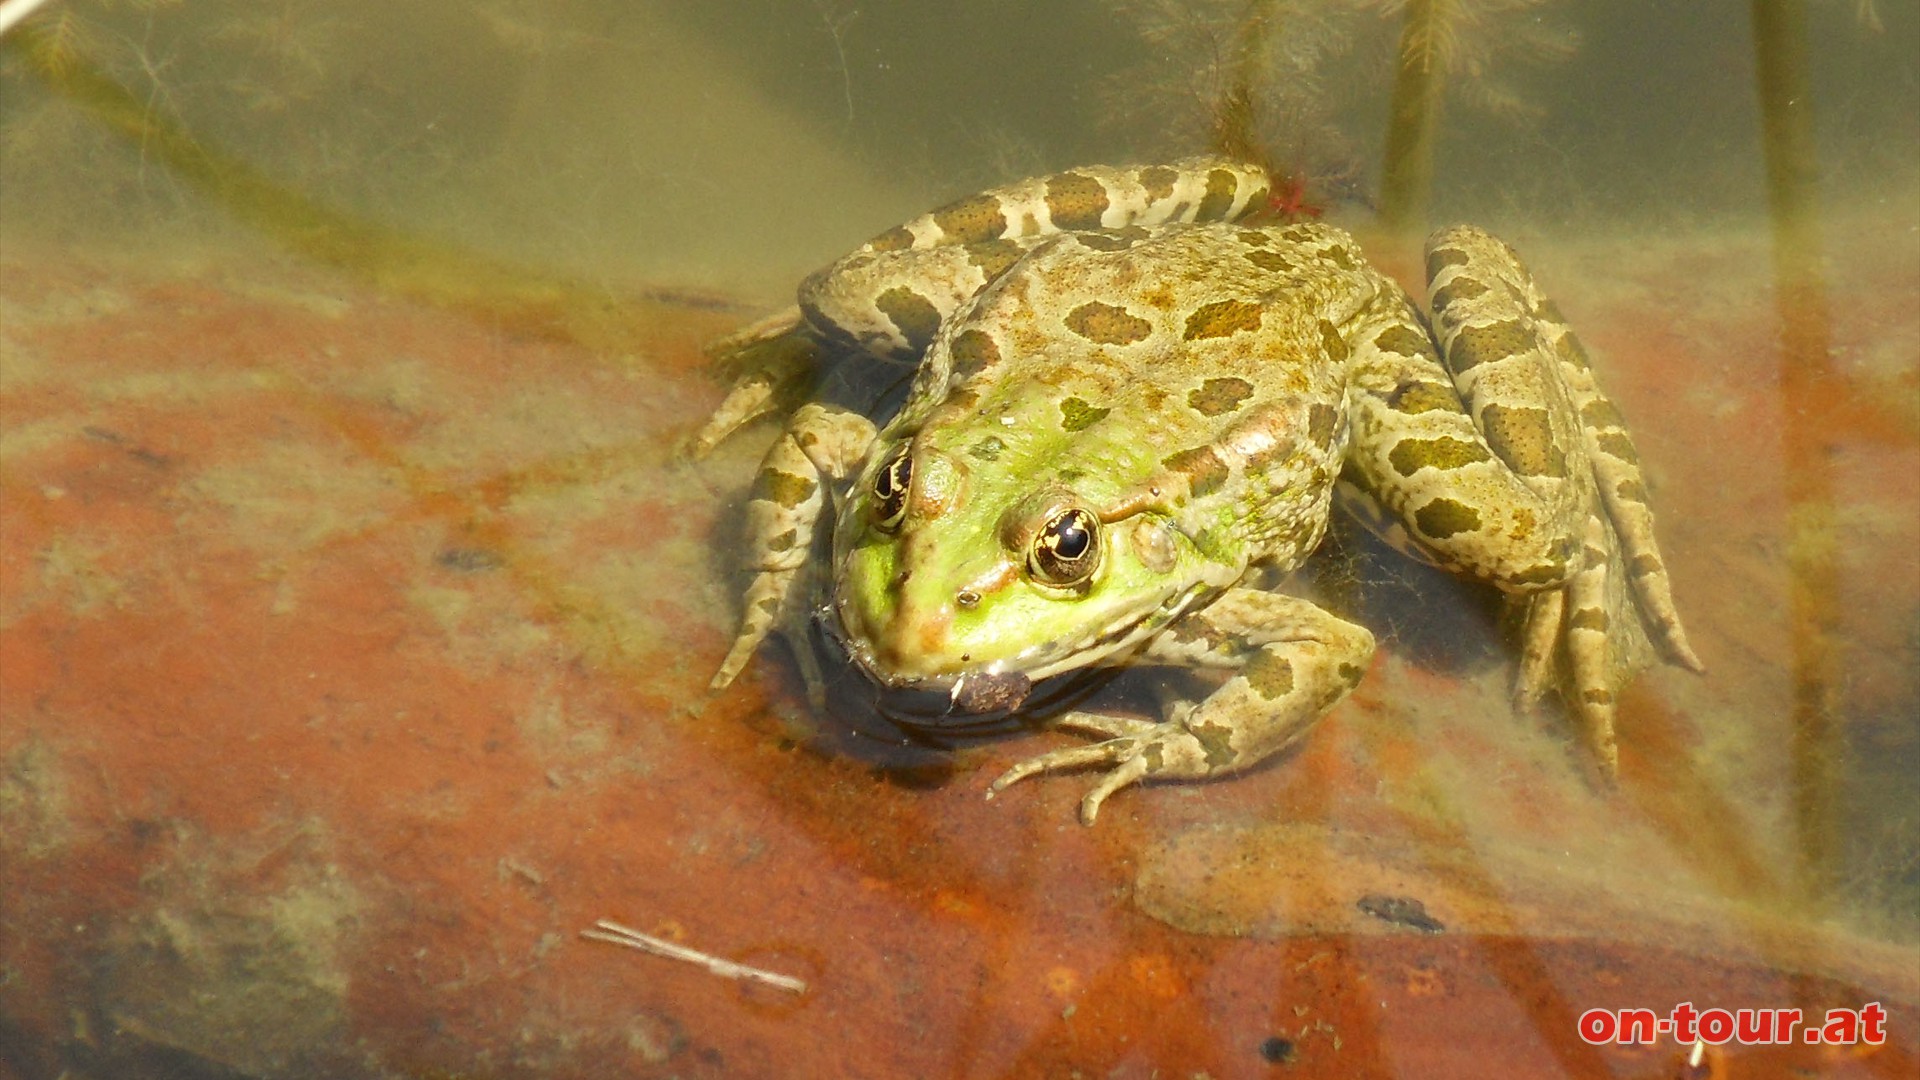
{"points": [[1132, 403]]}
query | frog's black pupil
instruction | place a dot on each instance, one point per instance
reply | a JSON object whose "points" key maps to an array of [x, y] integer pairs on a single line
{"points": [[894, 478], [1066, 550], [1071, 537]]}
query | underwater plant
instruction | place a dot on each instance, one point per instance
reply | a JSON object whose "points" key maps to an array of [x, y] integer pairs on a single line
{"points": [[1259, 80], [1286, 82], [1443, 43]]}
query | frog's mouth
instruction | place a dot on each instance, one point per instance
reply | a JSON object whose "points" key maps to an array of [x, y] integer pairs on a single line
{"points": [[979, 704], [964, 699], [986, 699]]}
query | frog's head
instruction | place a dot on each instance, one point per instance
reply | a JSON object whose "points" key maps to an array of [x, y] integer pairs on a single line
{"points": [[977, 583]]}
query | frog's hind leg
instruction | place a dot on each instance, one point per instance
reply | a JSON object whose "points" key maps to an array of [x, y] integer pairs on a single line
{"points": [[1422, 475], [891, 295], [821, 444], [1474, 277], [1090, 197], [1526, 380], [768, 360], [1507, 464], [1623, 490]]}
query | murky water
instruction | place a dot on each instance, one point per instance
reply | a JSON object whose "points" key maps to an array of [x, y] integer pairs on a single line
{"points": [[357, 608]]}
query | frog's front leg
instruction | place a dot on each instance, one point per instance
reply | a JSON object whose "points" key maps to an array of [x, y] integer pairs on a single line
{"points": [[1291, 663], [821, 444]]}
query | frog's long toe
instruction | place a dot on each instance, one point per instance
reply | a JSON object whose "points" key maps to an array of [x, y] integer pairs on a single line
{"points": [[764, 598], [1128, 756], [1072, 757], [1133, 750], [1105, 726], [1128, 772], [1539, 643], [1588, 654]]}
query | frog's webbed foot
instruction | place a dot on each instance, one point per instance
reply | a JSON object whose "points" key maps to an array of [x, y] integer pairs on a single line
{"points": [[1291, 662], [1591, 636], [1131, 750], [821, 444], [767, 361], [1634, 579], [1584, 637]]}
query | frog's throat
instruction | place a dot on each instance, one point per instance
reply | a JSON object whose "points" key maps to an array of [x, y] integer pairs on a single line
{"points": [[1003, 684]]}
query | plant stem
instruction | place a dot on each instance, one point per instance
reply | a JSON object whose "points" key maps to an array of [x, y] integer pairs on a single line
{"points": [[1806, 431], [1407, 173], [1233, 120]]}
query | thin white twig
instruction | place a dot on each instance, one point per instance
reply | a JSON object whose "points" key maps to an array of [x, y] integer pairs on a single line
{"points": [[837, 21], [12, 11], [613, 933]]}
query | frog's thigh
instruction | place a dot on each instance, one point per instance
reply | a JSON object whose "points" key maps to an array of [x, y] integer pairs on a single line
{"points": [[1291, 660], [820, 443], [892, 303], [1495, 505]]}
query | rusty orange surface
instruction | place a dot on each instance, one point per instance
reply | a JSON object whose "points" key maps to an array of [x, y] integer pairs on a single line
{"points": [[353, 658]]}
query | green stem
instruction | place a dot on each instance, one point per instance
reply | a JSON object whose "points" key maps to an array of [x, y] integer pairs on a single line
{"points": [[1407, 174], [1806, 375]]}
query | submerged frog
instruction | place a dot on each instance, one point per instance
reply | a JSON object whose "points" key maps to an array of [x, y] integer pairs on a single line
{"points": [[1130, 405]]}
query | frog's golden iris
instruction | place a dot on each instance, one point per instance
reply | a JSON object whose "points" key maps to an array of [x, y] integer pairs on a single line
{"points": [[1067, 550]]}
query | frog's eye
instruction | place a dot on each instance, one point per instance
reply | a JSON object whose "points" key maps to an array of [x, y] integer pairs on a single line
{"points": [[1067, 549], [890, 490]]}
